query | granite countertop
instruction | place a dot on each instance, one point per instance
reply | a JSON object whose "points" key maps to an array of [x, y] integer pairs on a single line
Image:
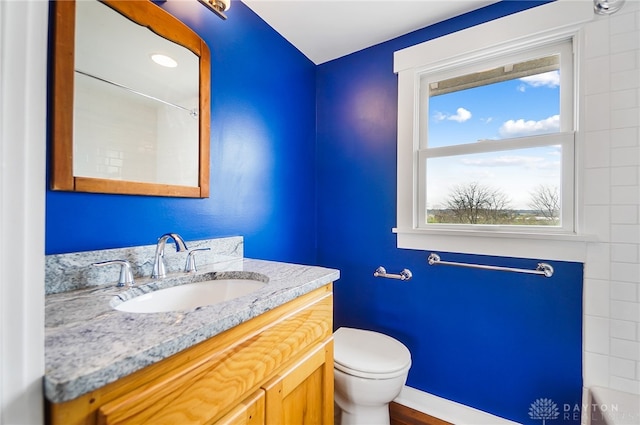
{"points": [[89, 344]]}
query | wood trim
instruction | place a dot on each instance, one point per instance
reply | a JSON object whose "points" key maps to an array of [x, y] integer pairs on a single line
{"points": [[62, 95], [402, 415], [147, 14], [159, 21], [205, 119], [88, 184], [328, 399]]}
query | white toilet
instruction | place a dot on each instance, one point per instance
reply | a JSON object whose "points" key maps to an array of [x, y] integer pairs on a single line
{"points": [[370, 370]]}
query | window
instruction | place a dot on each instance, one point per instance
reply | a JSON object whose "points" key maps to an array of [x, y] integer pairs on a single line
{"points": [[496, 143], [488, 135]]}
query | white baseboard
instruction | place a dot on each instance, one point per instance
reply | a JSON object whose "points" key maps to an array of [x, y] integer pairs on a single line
{"points": [[447, 410]]}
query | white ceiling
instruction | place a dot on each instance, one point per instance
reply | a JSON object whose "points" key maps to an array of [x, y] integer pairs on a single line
{"points": [[324, 30]]}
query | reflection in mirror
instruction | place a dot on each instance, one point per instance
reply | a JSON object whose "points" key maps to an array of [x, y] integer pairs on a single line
{"points": [[126, 118], [137, 126]]}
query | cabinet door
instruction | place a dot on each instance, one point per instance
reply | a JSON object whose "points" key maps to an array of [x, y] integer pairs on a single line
{"points": [[303, 393], [249, 412]]}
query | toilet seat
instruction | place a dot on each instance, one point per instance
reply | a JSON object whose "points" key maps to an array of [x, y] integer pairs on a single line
{"points": [[369, 354]]}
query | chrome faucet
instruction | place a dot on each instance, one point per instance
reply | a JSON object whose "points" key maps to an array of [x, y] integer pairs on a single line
{"points": [[159, 270]]}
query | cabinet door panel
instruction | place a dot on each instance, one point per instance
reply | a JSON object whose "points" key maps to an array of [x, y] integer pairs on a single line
{"points": [[249, 412], [303, 394]]}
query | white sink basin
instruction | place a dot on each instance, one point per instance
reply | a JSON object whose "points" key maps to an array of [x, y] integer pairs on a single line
{"points": [[190, 295]]}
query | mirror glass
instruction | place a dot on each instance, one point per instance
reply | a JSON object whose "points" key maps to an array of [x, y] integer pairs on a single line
{"points": [[137, 122], [133, 125]]}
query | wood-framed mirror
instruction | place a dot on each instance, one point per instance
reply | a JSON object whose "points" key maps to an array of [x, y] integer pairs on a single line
{"points": [[120, 122]]}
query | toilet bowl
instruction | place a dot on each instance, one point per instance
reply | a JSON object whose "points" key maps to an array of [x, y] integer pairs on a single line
{"points": [[370, 370]]}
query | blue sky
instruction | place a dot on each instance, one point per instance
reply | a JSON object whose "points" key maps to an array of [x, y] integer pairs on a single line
{"points": [[514, 108]]}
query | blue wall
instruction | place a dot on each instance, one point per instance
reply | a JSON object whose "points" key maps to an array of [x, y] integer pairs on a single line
{"points": [[491, 340], [262, 155], [303, 162]]}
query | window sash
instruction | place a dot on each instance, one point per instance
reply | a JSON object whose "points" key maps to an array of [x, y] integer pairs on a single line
{"points": [[567, 213], [562, 46]]}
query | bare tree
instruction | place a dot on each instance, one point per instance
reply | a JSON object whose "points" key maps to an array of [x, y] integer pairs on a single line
{"points": [[545, 200], [475, 203]]}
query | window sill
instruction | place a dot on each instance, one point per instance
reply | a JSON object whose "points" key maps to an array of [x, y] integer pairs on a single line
{"points": [[550, 246]]}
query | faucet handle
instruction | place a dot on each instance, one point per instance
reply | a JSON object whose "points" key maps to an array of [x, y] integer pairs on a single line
{"points": [[190, 266], [126, 276]]}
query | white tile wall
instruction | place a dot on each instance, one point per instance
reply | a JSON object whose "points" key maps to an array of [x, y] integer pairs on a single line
{"points": [[623, 329], [594, 292], [623, 291], [599, 152], [623, 368], [598, 338], [611, 120], [597, 366], [624, 176]]}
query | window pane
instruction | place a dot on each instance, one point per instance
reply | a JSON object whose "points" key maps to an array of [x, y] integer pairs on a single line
{"points": [[516, 187], [516, 100]]}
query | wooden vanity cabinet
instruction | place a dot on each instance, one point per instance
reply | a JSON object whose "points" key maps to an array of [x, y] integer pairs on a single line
{"points": [[275, 369]]}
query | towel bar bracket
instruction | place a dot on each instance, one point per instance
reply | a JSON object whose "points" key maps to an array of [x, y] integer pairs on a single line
{"points": [[382, 272]]}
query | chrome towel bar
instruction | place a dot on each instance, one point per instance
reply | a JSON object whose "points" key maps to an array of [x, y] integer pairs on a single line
{"points": [[543, 269], [382, 272]]}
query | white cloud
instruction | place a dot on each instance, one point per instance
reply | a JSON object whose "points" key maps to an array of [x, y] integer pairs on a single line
{"points": [[461, 115], [546, 79], [506, 161], [516, 128], [439, 116]]}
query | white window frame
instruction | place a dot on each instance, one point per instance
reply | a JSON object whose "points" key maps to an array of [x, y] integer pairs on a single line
{"points": [[564, 138], [531, 29]]}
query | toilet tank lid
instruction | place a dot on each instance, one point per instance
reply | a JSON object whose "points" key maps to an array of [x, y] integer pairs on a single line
{"points": [[368, 351]]}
